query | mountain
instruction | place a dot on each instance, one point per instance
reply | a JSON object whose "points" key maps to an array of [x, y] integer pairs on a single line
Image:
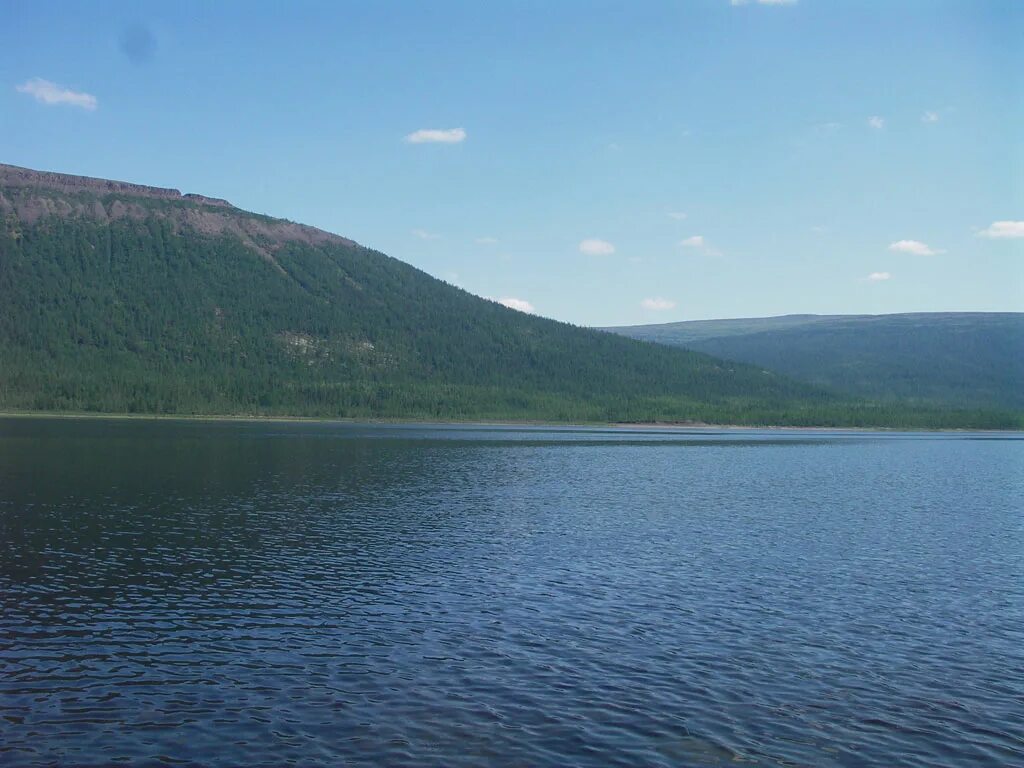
{"points": [[119, 297], [964, 359], [125, 298]]}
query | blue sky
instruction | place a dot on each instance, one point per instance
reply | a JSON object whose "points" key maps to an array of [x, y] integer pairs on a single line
{"points": [[604, 163]]}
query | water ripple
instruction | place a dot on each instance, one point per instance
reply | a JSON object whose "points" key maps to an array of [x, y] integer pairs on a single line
{"points": [[223, 594]]}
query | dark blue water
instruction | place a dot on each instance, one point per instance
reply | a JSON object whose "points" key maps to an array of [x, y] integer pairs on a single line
{"points": [[265, 594]]}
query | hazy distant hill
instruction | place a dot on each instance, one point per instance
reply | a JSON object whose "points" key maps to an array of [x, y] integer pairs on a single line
{"points": [[968, 359], [119, 297]]}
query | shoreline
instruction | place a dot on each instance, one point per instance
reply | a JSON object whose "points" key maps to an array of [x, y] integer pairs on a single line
{"points": [[624, 426]]}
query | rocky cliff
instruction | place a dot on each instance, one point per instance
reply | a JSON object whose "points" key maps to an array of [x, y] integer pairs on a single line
{"points": [[29, 196]]}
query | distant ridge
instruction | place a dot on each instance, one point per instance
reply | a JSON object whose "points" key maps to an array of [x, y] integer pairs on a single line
{"points": [[963, 359]]}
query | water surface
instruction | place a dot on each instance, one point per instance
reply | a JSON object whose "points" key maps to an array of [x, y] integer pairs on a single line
{"points": [[323, 594]]}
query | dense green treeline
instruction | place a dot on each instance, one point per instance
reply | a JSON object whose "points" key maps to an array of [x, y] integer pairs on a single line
{"points": [[144, 315]]}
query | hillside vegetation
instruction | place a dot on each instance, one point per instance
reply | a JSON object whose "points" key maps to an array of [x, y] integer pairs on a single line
{"points": [[121, 298], [964, 359]]}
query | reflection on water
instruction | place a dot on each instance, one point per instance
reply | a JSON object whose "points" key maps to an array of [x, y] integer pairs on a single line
{"points": [[253, 594]]}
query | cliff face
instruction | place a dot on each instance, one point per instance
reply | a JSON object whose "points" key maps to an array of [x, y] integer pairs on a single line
{"points": [[31, 196], [13, 176]]}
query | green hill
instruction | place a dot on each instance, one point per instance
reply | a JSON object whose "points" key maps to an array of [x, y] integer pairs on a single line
{"points": [[119, 297], [124, 298], [964, 359]]}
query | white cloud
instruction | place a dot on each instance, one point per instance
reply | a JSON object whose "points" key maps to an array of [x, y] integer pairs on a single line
{"points": [[677, 215], [878, 277], [520, 305], [700, 243], [487, 241], [422, 234], [437, 136], [876, 122], [1003, 230], [930, 117], [658, 304], [46, 92], [594, 246], [913, 247]]}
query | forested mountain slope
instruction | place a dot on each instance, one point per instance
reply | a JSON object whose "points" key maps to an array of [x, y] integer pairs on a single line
{"points": [[124, 298], [118, 297], [967, 359]]}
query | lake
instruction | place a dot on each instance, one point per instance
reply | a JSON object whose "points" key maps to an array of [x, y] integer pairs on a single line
{"points": [[265, 593]]}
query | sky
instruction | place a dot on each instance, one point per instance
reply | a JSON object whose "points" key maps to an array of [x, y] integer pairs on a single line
{"points": [[601, 163]]}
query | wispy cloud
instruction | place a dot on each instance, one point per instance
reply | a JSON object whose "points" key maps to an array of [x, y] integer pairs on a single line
{"points": [[829, 127], [700, 243], [876, 122], [878, 277], [487, 241], [436, 136], [423, 234], [46, 92], [930, 117], [914, 247], [520, 305], [658, 304], [1003, 230], [594, 246], [677, 215]]}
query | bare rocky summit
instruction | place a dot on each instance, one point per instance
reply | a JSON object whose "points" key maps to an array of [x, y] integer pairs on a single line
{"points": [[30, 196], [14, 176]]}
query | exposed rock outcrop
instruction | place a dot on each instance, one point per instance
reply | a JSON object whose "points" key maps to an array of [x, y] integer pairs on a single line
{"points": [[33, 195]]}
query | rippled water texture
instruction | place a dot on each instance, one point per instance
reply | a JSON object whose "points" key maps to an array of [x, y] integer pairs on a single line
{"points": [[252, 594]]}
